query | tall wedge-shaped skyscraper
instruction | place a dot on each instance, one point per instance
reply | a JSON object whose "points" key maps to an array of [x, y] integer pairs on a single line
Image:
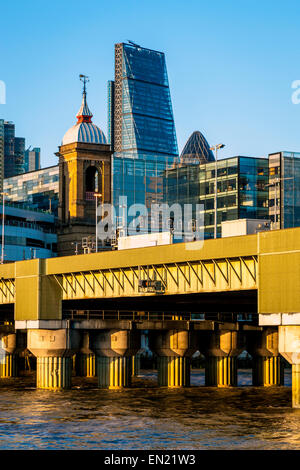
{"points": [[141, 125]]}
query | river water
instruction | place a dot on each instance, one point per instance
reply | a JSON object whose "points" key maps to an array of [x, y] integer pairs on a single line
{"points": [[148, 417]]}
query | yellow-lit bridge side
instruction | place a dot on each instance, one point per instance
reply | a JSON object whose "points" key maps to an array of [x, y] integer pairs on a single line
{"points": [[174, 278], [7, 291], [268, 262], [7, 283]]}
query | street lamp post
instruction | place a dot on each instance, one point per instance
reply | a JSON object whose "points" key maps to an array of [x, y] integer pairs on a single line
{"points": [[96, 200], [76, 247], [2, 248], [216, 148]]}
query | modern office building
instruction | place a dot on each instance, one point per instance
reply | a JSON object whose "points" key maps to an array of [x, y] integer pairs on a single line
{"points": [[1, 153], [242, 190], [141, 126], [14, 151], [196, 150], [19, 158], [27, 234], [32, 159], [284, 189], [36, 189]]}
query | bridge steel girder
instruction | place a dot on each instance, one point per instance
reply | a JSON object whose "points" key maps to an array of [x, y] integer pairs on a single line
{"points": [[215, 275], [267, 262], [7, 283]]}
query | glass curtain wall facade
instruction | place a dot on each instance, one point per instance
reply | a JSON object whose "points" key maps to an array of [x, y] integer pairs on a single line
{"points": [[32, 159], [9, 148], [284, 189], [242, 190], [19, 157], [196, 150], [36, 190], [1, 154], [14, 151], [141, 125], [28, 234]]}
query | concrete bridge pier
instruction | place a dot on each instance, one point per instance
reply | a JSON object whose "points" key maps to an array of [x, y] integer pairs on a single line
{"points": [[115, 349], [289, 348], [11, 344], [85, 360], [8, 356], [263, 347], [54, 350], [136, 365], [221, 350], [174, 349]]}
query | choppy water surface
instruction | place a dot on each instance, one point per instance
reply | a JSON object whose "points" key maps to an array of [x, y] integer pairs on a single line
{"points": [[148, 417]]}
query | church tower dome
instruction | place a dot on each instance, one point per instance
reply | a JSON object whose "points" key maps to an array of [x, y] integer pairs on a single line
{"points": [[84, 130], [84, 181]]}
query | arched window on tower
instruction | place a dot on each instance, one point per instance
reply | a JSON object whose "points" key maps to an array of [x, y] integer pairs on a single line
{"points": [[92, 182]]}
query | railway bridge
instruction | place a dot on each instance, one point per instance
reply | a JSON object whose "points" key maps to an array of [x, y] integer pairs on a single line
{"points": [[219, 297]]}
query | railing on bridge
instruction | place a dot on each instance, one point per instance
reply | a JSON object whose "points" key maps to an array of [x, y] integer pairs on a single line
{"points": [[159, 316]]}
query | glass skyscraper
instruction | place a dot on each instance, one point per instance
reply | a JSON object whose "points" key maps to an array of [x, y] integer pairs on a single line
{"points": [[1, 153], [14, 151], [196, 150], [242, 190], [284, 189], [32, 159], [141, 126]]}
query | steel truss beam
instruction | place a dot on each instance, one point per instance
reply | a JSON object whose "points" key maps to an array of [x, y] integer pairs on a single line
{"points": [[177, 278]]}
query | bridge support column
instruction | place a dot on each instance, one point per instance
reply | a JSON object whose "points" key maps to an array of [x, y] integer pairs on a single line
{"points": [[267, 371], [174, 349], [8, 358], [296, 385], [114, 350], [263, 347], [221, 371], [85, 360], [8, 365], [114, 372], [54, 350], [53, 372], [136, 365], [173, 371], [289, 348], [221, 349], [85, 365]]}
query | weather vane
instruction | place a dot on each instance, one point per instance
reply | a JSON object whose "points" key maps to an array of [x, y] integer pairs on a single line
{"points": [[84, 79]]}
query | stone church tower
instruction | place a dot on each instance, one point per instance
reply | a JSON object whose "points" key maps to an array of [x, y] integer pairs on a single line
{"points": [[84, 169]]}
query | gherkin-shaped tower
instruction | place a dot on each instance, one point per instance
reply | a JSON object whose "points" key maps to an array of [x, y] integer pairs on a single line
{"points": [[196, 150]]}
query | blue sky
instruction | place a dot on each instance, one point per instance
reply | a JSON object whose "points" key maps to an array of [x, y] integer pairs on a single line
{"points": [[230, 64]]}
